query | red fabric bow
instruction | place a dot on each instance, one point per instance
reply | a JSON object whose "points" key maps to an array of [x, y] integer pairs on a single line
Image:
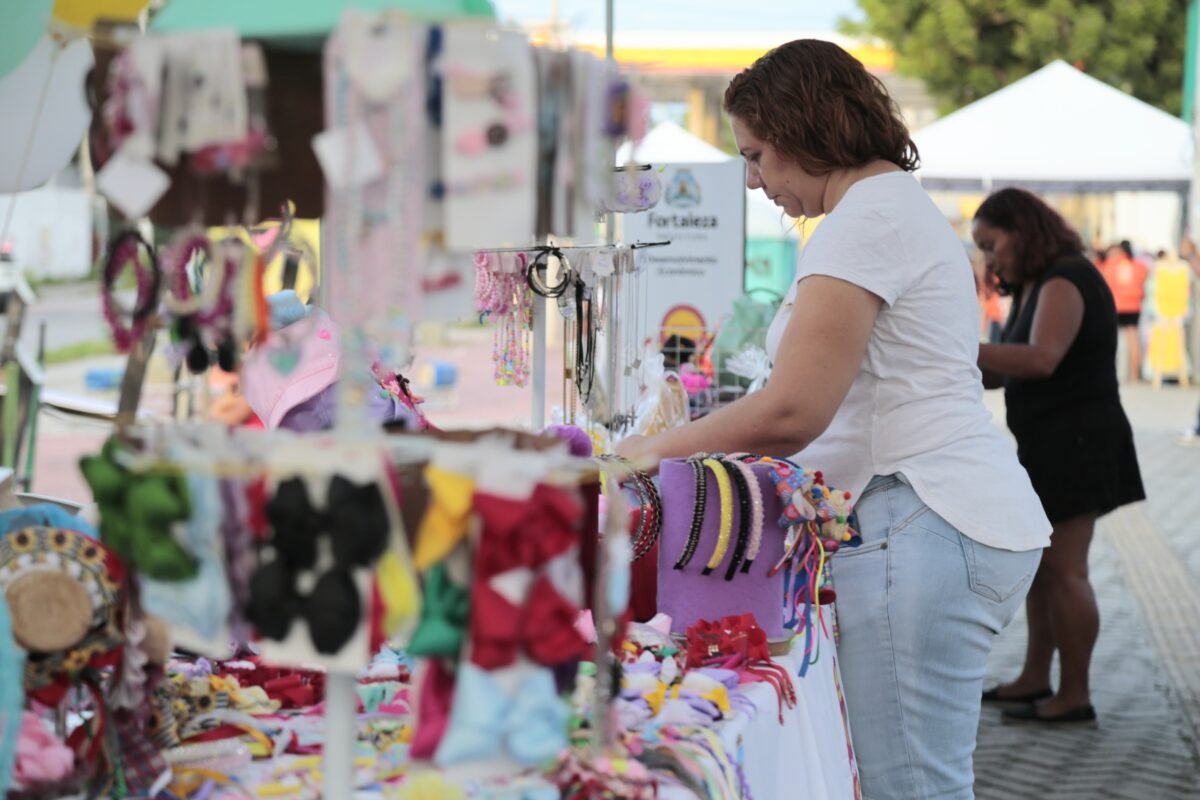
{"points": [[735, 640], [738, 643], [525, 533], [293, 688], [544, 627]]}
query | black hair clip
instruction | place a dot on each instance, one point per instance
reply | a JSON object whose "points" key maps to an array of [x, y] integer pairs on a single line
{"points": [[356, 520]]}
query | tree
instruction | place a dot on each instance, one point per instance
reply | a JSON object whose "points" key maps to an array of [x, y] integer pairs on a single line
{"points": [[965, 49]]}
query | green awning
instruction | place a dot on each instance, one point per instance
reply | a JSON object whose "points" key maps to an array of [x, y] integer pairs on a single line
{"points": [[298, 19]]}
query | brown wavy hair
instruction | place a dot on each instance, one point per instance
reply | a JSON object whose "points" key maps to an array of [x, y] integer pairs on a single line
{"points": [[1040, 234], [818, 106]]}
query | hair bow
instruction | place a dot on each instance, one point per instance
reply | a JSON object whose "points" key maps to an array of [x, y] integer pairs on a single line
{"points": [[544, 627], [529, 724], [137, 511], [445, 522], [357, 521], [526, 533], [445, 608], [737, 642]]}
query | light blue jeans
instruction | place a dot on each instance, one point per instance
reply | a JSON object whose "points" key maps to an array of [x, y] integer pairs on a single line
{"points": [[918, 607]]}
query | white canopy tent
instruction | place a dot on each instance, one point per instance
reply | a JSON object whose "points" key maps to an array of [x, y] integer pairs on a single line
{"points": [[1057, 130]]}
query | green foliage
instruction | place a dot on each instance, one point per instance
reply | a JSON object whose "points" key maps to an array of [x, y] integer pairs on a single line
{"points": [[965, 49]]}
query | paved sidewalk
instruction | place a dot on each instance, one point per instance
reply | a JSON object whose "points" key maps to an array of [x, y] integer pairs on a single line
{"points": [[1145, 567]]}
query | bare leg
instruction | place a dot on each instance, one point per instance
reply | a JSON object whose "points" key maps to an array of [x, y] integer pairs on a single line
{"points": [[1134, 345], [1073, 613]]}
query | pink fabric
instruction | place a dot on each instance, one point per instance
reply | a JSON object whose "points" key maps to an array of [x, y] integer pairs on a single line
{"points": [[41, 758], [274, 385]]}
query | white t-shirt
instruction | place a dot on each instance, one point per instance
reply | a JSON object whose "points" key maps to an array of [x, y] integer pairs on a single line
{"points": [[916, 405]]}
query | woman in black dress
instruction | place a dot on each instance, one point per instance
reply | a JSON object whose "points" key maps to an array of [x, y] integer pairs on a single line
{"points": [[1057, 365]]}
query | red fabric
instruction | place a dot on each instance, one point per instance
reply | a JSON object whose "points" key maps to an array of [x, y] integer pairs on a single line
{"points": [[256, 519], [643, 590], [433, 710], [495, 628], [293, 688], [376, 614], [544, 627], [548, 629], [525, 533], [737, 639], [589, 540]]}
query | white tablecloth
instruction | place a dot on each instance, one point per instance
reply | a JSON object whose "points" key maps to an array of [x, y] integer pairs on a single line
{"points": [[809, 756]]}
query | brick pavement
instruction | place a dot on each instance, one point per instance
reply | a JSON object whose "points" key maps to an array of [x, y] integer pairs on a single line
{"points": [[1146, 670]]}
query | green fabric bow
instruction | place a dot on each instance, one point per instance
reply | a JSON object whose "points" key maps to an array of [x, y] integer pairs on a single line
{"points": [[137, 511], [445, 609]]}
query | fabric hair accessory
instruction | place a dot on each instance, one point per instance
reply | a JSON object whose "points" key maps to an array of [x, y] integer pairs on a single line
{"points": [[446, 518], [41, 760], [725, 492], [520, 602], [44, 515], [445, 612], [203, 321], [527, 722], [50, 564], [357, 522], [203, 602], [292, 366], [128, 248], [737, 642], [137, 512]]}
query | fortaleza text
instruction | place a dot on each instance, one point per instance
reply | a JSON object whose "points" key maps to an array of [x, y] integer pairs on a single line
{"points": [[681, 221]]}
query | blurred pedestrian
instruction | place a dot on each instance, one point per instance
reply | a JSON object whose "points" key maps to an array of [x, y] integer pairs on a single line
{"points": [[1126, 278], [1168, 295], [1057, 364], [1187, 251]]}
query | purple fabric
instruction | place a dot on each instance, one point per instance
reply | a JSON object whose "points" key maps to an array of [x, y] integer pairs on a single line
{"points": [[318, 412], [239, 553], [643, 667], [686, 595], [726, 677]]}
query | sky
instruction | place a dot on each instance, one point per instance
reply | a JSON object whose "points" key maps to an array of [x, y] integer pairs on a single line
{"points": [[687, 15]]}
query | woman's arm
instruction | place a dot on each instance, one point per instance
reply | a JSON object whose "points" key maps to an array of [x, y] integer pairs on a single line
{"points": [[1055, 326], [992, 380], [819, 356]]}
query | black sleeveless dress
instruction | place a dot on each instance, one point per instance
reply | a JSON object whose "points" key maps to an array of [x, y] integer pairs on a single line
{"points": [[1072, 434]]}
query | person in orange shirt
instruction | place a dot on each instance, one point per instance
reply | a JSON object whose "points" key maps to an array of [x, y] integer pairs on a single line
{"points": [[1126, 278]]}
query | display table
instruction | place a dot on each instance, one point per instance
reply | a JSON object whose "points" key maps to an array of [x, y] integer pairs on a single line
{"points": [[809, 756]]}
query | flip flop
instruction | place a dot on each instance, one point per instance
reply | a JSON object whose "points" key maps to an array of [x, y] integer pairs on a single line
{"points": [[1079, 715], [993, 696]]}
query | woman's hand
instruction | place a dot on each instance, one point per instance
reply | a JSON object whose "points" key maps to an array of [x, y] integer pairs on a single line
{"points": [[638, 449]]}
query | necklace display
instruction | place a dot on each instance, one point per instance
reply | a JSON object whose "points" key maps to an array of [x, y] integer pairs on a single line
{"points": [[503, 294]]}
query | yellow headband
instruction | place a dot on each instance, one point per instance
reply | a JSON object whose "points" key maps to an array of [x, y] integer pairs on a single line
{"points": [[725, 491]]}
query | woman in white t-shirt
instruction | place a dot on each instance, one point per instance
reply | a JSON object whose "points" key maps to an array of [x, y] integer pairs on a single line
{"points": [[875, 383]]}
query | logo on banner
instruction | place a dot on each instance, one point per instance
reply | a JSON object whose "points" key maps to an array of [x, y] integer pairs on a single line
{"points": [[684, 191]]}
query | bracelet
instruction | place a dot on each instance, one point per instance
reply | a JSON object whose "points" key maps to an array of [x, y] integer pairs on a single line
{"points": [[125, 249], [743, 493], [698, 509], [650, 506], [756, 511], [725, 491], [538, 285]]}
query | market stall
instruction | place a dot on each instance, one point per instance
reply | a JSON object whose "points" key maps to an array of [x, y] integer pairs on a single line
{"points": [[340, 599]]}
